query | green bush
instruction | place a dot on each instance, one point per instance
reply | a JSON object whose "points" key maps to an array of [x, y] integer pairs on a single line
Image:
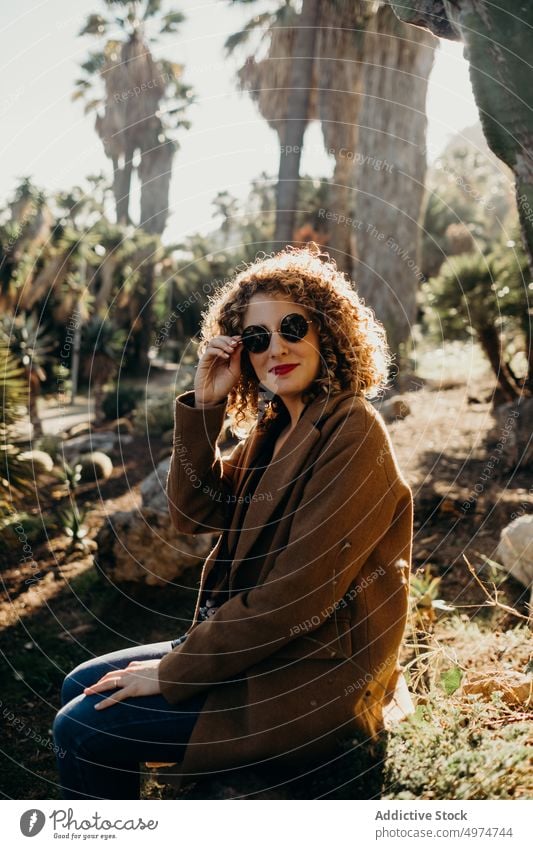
{"points": [[120, 401], [24, 529], [155, 417], [448, 750]]}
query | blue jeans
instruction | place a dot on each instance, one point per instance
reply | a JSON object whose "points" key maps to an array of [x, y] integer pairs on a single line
{"points": [[99, 751]]}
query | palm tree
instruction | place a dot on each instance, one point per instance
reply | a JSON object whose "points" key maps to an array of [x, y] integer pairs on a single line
{"points": [[341, 57], [142, 104], [16, 476], [295, 119], [24, 236], [31, 346], [390, 180], [326, 86], [101, 347]]}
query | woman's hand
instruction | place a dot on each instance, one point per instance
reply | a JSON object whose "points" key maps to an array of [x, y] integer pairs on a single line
{"points": [[140, 678], [218, 371]]}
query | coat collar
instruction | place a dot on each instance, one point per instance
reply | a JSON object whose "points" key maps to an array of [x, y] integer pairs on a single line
{"points": [[279, 475]]}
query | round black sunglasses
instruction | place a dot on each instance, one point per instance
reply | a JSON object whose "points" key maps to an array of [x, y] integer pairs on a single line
{"points": [[293, 328]]}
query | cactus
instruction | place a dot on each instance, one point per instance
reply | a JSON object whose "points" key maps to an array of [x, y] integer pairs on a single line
{"points": [[498, 49]]}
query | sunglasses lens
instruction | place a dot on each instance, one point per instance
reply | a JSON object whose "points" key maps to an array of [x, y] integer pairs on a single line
{"points": [[256, 339], [294, 327]]}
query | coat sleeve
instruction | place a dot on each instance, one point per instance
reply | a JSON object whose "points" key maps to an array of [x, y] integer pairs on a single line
{"points": [[348, 497], [199, 481]]}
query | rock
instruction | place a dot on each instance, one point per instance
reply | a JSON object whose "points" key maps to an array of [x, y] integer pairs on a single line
{"points": [[143, 546], [515, 687], [153, 488], [395, 408], [356, 771], [512, 433], [167, 445], [95, 466], [122, 426], [515, 551], [40, 461], [164, 453], [87, 444], [79, 429]]}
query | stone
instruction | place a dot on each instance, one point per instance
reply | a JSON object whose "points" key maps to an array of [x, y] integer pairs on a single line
{"points": [[87, 444], [516, 687], [515, 551], [40, 461], [356, 771], [153, 488], [122, 425], [142, 546], [512, 433], [95, 466], [395, 408], [79, 429]]}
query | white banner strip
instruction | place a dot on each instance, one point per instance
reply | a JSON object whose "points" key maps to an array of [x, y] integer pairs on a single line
{"points": [[257, 823]]}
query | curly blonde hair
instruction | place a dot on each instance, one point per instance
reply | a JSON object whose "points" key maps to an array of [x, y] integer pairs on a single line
{"points": [[353, 347]]}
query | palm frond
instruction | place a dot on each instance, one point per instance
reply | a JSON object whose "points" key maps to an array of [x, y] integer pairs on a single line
{"points": [[94, 25]]}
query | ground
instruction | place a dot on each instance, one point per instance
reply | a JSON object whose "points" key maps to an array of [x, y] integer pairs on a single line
{"points": [[62, 613]]}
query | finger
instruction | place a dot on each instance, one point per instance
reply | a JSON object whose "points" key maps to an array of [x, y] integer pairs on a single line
{"points": [[99, 686], [218, 351], [225, 345], [111, 700]]}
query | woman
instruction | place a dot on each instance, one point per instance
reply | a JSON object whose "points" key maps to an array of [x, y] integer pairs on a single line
{"points": [[303, 600]]}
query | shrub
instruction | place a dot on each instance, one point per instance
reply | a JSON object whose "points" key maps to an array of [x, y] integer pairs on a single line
{"points": [[120, 401], [155, 417]]}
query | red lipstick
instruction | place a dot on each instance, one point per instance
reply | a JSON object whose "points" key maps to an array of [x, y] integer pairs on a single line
{"points": [[285, 369]]}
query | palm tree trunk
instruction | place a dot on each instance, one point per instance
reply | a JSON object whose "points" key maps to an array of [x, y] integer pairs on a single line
{"points": [[340, 78], [296, 121], [121, 187], [490, 341], [145, 333], [340, 198], [390, 171]]}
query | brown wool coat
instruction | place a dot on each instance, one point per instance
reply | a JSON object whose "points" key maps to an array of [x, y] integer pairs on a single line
{"points": [[306, 653]]}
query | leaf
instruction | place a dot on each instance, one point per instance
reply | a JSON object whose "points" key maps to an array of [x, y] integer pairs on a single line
{"points": [[440, 604], [171, 22], [94, 25], [451, 680]]}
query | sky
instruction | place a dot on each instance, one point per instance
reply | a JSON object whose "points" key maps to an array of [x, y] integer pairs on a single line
{"points": [[45, 135]]}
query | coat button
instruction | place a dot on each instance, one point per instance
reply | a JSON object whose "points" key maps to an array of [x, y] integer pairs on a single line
{"points": [[313, 703]]}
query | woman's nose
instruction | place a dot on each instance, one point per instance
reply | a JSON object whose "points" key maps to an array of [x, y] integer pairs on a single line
{"points": [[277, 343]]}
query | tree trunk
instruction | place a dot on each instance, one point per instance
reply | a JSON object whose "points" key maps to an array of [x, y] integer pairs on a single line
{"points": [[296, 120], [339, 202], [121, 188], [390, 171], [144, 316], [340, 57], [498, 49], [155, 172], [490, 341]]}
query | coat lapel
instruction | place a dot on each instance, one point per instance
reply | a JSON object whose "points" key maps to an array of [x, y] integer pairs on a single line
{"points": [[278, 478]]}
